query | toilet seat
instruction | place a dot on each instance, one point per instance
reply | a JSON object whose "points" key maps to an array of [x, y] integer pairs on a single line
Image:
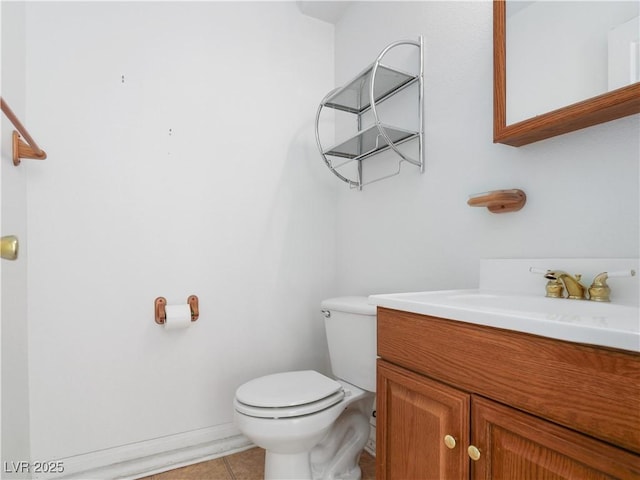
{"points": [[289, 412], [289, 394]]}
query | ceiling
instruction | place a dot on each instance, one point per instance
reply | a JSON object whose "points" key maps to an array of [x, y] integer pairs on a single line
{"points": [[328, 11]]}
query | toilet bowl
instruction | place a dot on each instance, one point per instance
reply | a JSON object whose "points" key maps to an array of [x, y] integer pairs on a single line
{"points": [[312, 426], [289, 433]]}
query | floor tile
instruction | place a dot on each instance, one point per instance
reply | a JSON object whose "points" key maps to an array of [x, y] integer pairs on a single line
{"points": [[210, 470], [368, 466], [246, 465]]}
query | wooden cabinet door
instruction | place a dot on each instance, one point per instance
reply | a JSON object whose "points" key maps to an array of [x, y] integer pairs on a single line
{"points": [[414, 414], [515, 445]]}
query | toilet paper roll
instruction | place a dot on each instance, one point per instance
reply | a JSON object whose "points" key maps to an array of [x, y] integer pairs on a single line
{"points": [[178, 316]]}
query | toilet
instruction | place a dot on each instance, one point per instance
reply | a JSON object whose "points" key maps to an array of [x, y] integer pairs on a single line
{"points": [[312, 426]]}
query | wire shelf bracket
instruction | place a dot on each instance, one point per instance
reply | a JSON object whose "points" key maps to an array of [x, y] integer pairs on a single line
{"points": [[375, 84]]}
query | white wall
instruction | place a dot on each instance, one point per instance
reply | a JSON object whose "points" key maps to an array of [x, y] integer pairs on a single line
{"points": [[415, 232], [236, 206], [15, 378], [196, 174]]}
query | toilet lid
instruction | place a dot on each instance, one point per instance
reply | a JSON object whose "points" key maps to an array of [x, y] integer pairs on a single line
{"points": [[287, 389]]}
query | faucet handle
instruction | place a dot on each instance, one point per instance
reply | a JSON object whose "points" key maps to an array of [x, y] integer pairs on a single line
{"points": [[620, 273], [540, 271], [553, 288], [599, 291]]}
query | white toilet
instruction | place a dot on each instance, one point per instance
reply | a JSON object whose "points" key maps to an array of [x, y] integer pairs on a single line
{"points": [[311, 426]]}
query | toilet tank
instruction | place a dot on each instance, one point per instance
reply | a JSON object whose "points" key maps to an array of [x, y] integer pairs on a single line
{"points": [[350, 323]]}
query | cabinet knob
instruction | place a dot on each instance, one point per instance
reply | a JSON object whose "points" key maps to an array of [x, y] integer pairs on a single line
{"points": [[474, 453], [449, 441]]}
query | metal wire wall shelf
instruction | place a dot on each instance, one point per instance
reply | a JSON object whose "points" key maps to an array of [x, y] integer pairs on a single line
{"points": [[375, 84]]}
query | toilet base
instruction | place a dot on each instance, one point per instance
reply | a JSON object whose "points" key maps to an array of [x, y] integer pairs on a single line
{"points": [[338, 454], [289, 466]]}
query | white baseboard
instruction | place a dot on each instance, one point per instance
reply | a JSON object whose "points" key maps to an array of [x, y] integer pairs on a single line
{"points": [[140, 459]]}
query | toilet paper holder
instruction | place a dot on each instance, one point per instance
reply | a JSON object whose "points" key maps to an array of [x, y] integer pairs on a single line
{"points": [[161, 314]]}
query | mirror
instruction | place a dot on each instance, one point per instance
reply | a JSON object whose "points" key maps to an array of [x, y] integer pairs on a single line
{"points": [[560, 52], [544, 112]]}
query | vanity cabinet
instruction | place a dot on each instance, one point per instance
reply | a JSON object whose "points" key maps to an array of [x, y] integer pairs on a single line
{"points": [[532, 407], [414, 414]]}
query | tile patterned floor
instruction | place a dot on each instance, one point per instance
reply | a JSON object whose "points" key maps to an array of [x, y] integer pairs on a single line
{"points": [[247, 465]]}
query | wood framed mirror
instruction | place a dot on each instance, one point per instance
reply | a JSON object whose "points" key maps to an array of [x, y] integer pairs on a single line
{"points": [[599, 109]]}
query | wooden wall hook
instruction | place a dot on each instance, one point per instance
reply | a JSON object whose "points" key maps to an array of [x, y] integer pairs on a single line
{"points": [[499, 201]]}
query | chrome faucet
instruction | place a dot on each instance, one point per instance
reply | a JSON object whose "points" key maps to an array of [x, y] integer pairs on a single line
{"points": [[571, 283]]}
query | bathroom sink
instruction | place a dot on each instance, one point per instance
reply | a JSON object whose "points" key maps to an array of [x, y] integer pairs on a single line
{"points": [[583, 321]]}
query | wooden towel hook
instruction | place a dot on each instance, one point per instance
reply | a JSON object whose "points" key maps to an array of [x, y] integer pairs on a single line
{"points": [[499, 201]]}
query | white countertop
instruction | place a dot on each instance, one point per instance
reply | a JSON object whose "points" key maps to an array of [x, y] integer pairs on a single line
{"points": [[581, 321]]}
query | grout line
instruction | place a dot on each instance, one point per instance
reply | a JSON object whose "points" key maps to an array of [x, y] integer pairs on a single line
{"points": [[229, 469]]}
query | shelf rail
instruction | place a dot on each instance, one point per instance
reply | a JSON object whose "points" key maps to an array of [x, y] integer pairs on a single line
{"points": [[327, 161], [21, 150], [420, 161]]}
